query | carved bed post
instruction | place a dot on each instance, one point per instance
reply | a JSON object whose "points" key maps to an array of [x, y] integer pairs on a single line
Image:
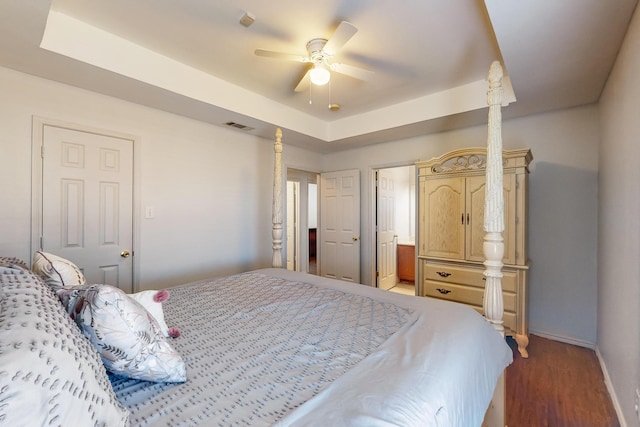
{"points": [[494, 204], [494, 226], [277, 202]]}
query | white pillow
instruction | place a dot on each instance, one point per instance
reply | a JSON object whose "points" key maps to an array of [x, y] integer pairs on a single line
{"points": [[126, 336], [50, 375], [57, 272], [152, 301]]}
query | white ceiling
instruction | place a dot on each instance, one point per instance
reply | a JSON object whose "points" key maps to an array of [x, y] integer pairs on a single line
{"points": [[430, 58]]}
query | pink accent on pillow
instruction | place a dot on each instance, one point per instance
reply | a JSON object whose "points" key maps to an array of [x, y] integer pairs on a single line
{"points": [[161, 296], [174, 332]]}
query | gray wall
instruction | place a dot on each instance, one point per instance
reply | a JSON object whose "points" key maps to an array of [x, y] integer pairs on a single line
{"points": [[619, 225], [211, 191], [562, 209], [210, 186]]}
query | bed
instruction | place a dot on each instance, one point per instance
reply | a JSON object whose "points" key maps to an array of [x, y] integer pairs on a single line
{"points": [[266, 347]]}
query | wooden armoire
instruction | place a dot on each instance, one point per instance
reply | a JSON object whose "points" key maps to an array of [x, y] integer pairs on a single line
{"points": [[450, 235]]}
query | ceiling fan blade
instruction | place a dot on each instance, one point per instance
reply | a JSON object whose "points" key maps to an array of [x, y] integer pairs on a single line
{"points": [[304, 82], [281, 55], [351, 71], [340, 37]]}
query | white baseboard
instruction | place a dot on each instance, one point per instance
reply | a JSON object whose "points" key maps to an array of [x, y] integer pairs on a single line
{"points": [[612, 393], [564, 339]]}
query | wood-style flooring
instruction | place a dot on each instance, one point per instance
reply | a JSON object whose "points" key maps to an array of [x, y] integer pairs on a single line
{"points": [[559, 385]]}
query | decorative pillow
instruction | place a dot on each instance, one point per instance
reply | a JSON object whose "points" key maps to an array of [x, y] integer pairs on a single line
{"points": [[50, 375], [12, 266], [152, 302], [57, 272], [13, 262], [127, 337]]}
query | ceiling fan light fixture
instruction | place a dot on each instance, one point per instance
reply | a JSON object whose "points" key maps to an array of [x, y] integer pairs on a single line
{"points": [[319, 75]]}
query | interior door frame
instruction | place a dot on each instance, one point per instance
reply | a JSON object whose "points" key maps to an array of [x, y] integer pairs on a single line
{"points": [[37, 141], [373, 205], [295, 224], [301, 175]]}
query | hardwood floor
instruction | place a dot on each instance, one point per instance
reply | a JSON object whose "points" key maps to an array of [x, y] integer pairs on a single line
{"points": [[559, 385]]}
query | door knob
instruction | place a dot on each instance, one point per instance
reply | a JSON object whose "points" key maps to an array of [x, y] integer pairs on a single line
{"points": [[125, 254], [355, 239]]}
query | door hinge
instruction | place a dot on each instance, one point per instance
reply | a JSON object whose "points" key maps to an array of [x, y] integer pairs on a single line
{"points": [[42, 151], [41, 242]]}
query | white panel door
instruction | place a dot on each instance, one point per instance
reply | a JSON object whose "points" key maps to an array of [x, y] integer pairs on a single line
{"points": [[340, 225], [386, 233], [87, 203]]}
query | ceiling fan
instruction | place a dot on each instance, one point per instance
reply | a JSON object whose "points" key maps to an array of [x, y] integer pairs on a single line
{"points": [[320, 54]]}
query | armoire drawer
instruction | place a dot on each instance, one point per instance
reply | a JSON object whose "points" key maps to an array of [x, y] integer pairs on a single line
{"points": [[465, 294], [451, 273]]}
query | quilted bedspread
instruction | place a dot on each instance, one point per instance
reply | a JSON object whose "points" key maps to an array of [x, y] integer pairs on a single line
{"points": [[273, 347]]}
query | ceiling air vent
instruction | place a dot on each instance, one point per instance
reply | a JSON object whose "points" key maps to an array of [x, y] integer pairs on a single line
{"points": [[239, 126]]}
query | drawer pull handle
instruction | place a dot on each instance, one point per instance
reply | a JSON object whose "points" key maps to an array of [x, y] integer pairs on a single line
{"points": [[443, 273], [443, 291]]}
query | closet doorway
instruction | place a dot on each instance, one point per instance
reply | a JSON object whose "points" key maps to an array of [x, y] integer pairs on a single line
{"points": [[301, 220], [395, 226]]}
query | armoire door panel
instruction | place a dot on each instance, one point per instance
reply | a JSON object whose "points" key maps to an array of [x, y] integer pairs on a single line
{"points": [[475, 222], [444, 201], [475, 226]]}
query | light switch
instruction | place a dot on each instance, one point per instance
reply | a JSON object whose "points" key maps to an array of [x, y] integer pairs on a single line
{"points": [[149, 212]]}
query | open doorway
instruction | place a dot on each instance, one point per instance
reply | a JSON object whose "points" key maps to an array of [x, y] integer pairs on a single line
{"points": [[395, 229], [301, 220]]}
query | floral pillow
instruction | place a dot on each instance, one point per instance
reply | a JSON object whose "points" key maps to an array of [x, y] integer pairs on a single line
{"points": [[152, 302], [128, 338], [56, 271]]}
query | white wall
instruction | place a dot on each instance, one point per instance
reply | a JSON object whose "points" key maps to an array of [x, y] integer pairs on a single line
{"points": [[619, 226], [210, 186], [211, 189], [562, 208]]}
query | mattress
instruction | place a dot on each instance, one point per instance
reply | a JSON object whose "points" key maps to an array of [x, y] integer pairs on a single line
{"points": [[275, 347]]}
